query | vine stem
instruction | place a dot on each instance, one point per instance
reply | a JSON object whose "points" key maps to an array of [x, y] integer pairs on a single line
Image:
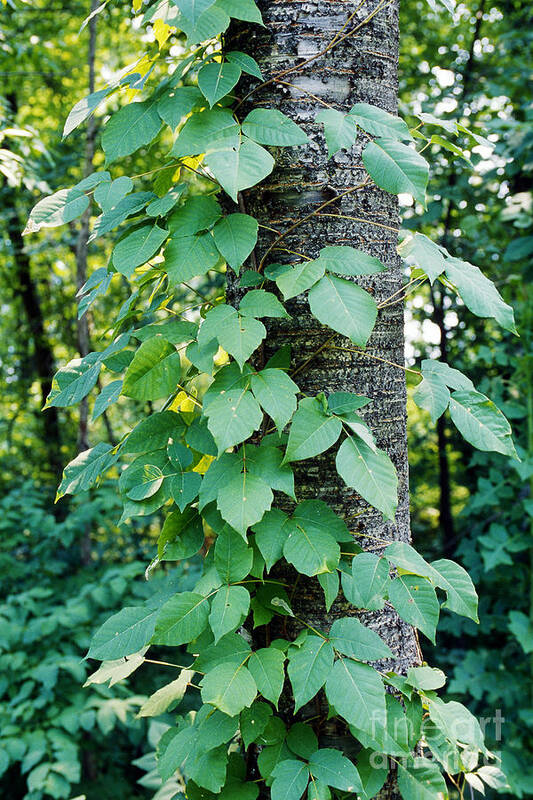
{"points": [[377, 358], [311, 357], [332, 43], [361, 219], [167, 664], [419, 281], [304, 91], [309, 216]]}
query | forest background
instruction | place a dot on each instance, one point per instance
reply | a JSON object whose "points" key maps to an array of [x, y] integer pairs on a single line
{"points": [[65, 567]]}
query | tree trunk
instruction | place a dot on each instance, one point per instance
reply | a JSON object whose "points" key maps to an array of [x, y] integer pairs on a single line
{"points": [[43, 357], [361, 68]]}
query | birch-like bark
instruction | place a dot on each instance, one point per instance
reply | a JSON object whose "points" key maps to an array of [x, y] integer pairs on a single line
{"points": [[361, 68]]}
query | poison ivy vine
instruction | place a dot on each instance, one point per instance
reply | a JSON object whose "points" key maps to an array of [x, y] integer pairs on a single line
{"points": [[216, 460]]}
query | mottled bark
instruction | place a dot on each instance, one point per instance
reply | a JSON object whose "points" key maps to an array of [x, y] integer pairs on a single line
{"points": [[362, 68]]}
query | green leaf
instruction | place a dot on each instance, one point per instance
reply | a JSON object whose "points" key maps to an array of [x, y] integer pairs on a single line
{"points": [[154, 371], [189, 256], [133, 126], [345, 260], [153, 432], [148, 482], [245, 62], [351, 638], [310, 552], [233, 417], [244, 500], [137, 248], [372, 775], [330, 584], [457, 583], [342, 403], [309, 667], [236, 236], [269, 126], [193, 9], [370, 472], [127, 207], [73, 382], [267, 668], [184, 486], [254, 721], [425, 254], [377, 122], [165, 697], [118, 670], [214, 728], [83, 109], [181, 537], [109, 193], [231, 649], [164, 204], [344, 307], [181, 619], [300, 278], [421, 780], [205, 129], [456, 722], [367, 586], [177, 103], [317, 517], [451, 377], [238, 164], [426, 678], [85, 470], [479, 293], [229, 688], [229, 609], [109, 395], [276, 393], [57, 209], [290, 780], [402, 555], [334, 769], [312, 430], [318, 791], [260, 303], [416, 602], [433, 395], [340, 129], [233, 557], [302, 740], [242, 9], [270, 536], [124, 633], [217, 79], [397, 168], [357, 693], [237, 334], [198, 213], [482, 423]]}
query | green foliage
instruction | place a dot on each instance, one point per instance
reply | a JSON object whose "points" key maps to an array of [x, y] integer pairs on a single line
{"points": [[210, 459]]}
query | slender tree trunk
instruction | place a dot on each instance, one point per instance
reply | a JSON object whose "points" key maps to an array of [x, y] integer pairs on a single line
{"points": [[362, 68], [44, 364]]}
